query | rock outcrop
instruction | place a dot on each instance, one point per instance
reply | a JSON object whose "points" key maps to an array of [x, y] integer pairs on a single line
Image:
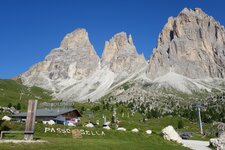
{"points": [[121, 56], [192, 44], [219, 143]]}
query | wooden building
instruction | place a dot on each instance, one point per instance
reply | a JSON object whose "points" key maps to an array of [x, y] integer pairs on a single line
{"points": [[59, 115]]}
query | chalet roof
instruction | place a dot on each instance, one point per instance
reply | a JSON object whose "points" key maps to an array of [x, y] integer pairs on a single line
{"points": [[54, 112], [60, 118]]}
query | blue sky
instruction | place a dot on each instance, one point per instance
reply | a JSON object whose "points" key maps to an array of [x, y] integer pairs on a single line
{"points": [[29, 29]]}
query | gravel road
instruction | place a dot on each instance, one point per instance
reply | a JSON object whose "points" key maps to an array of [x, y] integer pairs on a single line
{"points": [[196, 145]]}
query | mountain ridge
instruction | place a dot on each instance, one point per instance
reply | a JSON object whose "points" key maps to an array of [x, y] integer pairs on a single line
{"points": [[191, 46]]}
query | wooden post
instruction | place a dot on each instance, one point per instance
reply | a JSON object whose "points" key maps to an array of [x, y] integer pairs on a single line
{"points": [[30, 121]]}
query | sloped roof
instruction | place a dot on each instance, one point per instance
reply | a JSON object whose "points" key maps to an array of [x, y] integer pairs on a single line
{"points": [[47, 112], [60, 118]]}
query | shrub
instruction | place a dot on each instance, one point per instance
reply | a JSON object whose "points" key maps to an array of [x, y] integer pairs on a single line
{"points": [[180, 124], [9, 105], [95, 108], [18, 106], [113, 119], [5, 126], [126, 86]]}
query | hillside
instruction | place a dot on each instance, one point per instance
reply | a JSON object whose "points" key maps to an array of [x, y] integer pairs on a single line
{"points": [[14, 92]]}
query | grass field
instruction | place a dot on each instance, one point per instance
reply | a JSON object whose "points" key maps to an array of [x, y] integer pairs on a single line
{"points": [[113, 140]]}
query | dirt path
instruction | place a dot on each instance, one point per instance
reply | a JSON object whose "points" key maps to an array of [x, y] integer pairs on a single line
{"points": [[196, 145]]}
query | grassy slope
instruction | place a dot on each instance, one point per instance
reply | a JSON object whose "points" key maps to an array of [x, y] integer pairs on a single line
{"points": [[10, 93], [136, 120]]}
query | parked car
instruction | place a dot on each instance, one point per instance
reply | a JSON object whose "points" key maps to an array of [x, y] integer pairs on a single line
{"points": [[185, 135]]}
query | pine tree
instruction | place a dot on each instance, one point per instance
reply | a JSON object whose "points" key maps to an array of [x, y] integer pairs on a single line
{"points": [[9, 105], [18, 106]]}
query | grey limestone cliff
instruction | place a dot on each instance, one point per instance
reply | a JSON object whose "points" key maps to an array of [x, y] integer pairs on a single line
{"points": [[75, 58], [191, 44]]}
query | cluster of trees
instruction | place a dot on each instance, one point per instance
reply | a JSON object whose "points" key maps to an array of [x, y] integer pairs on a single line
{"points": [[213, 108], [154, 113], [106, 106], [17, 106], [208, 113]]}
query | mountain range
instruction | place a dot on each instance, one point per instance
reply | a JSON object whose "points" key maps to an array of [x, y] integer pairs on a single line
{"points": [[189, 57]]}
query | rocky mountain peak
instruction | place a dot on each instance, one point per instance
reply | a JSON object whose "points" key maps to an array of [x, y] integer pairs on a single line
{"points": [[193, 44], [121, 55], [74, 59], [130, 40], [118, 44], [196, 11], [78, 37]]}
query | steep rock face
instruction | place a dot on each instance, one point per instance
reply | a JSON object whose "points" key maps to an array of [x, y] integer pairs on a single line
{"points": [[74, 71], [74, 59], [120, 55], [192, 44]]}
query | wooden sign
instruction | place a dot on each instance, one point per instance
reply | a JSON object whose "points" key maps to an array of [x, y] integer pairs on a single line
{"points": [[30, 121]]}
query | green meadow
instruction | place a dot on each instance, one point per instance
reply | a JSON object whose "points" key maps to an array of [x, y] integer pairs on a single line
{"points": [[115, 140]]}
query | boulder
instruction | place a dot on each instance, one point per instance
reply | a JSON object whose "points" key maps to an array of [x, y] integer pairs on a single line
{"points": [[121, 129], [50, 122], [6, 118], [107, 123], [170, 134], [221, 129], [222, 135], [71, 124], [135, 130], [219, 143], [106, 127], [90, 125], [148, 132]]}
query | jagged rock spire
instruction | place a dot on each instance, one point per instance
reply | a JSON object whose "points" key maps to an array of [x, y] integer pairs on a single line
{"points": [[121, 55]]}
